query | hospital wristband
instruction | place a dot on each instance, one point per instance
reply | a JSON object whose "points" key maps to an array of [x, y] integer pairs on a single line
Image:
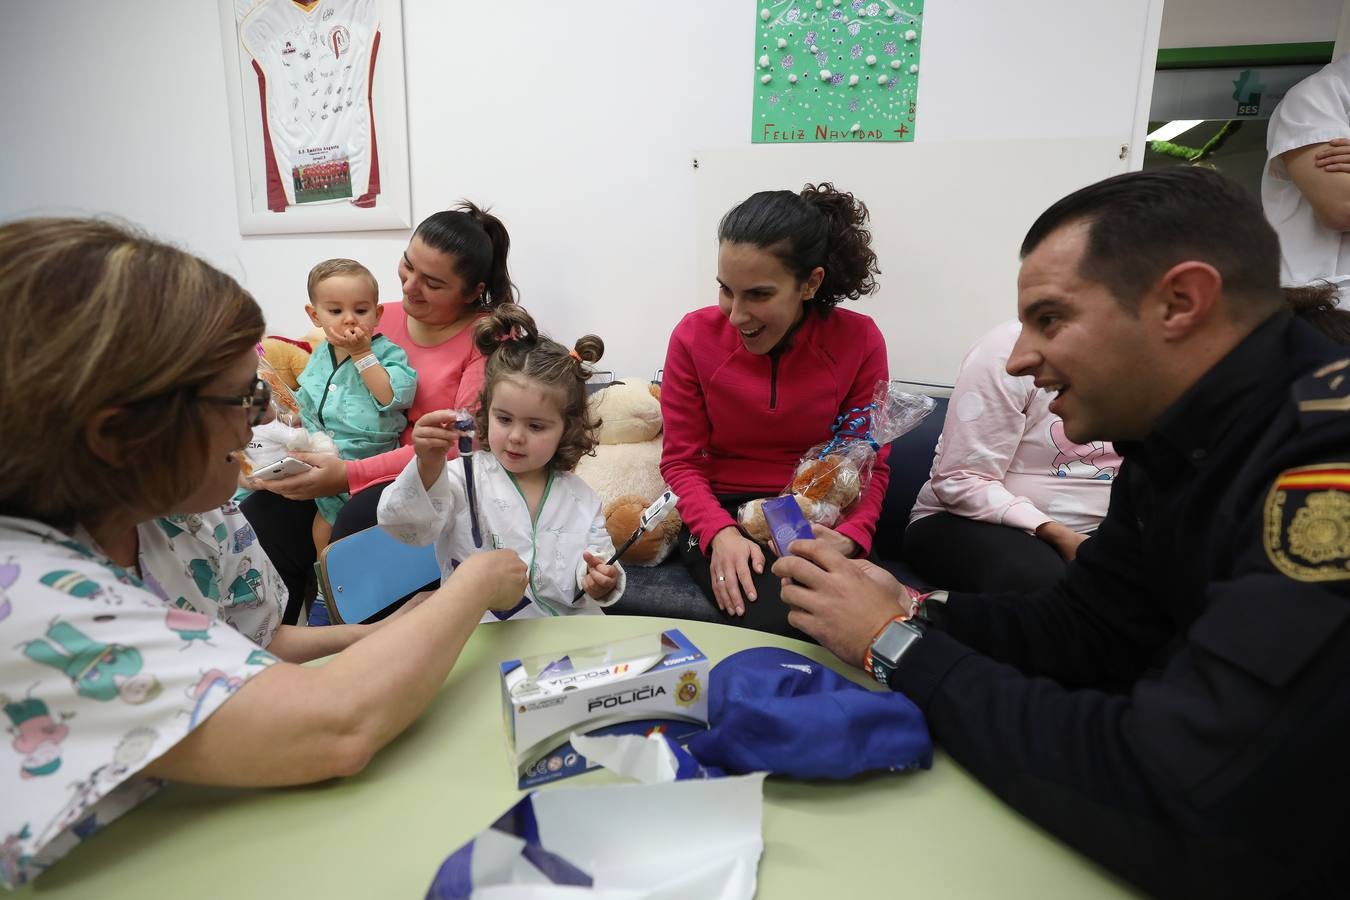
{"points": [[367, 362]]}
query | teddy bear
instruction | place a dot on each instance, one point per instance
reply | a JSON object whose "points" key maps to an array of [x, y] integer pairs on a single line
{"points": [[626, 468], [280, 365]]}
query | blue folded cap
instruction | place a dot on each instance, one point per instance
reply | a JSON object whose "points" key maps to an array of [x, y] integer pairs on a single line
{"points": [[772, 710]]}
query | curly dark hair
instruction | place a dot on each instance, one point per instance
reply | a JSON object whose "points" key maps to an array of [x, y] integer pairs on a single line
{"points": [[820, 227], [509, 340], [1316, 304]]}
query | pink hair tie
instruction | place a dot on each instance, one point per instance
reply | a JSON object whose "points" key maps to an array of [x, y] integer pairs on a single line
{"points": [[512, 335]]}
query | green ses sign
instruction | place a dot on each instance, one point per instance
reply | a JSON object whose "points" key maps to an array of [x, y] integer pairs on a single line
{"points": [[836, 70], [1247, 89]]}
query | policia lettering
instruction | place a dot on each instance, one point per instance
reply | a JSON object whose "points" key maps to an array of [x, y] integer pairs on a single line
{"points": [[1307, 523]]}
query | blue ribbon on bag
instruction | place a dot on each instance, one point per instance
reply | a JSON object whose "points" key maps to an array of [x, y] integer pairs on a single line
{"points": [[853, 425]]}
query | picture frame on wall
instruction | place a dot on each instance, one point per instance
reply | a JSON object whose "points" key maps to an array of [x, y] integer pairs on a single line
{"points": [[318, 114]]}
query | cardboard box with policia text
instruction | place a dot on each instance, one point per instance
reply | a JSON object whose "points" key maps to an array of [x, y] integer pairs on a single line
{"points": [[654, 682]]}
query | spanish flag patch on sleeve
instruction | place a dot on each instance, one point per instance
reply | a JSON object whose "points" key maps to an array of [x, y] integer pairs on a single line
{"points": [[1307, 523]]}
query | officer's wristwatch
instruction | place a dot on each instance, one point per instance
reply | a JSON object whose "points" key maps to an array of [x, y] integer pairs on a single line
{"points": [[890, 644]]}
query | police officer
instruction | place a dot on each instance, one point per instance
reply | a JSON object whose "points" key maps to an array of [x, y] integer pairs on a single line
{"points": [[1178, 706]]}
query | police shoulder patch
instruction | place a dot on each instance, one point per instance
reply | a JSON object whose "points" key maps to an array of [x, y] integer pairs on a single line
{"points": [[1324, 392], [1307, 523]]}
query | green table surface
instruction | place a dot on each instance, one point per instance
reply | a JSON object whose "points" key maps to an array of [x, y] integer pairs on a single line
{"points": [[383, 833]]}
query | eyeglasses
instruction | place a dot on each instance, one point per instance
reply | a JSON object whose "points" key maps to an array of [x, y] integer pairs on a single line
{"points": [[257, 402]]}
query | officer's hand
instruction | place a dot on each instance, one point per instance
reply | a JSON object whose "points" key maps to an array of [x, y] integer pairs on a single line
{"points": [[835, 600]]}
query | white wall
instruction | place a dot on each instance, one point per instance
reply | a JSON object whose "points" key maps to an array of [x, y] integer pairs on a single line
{"points": [[1222, 23], [580, 129]]}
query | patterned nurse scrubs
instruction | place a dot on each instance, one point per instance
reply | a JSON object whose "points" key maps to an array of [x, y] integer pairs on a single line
{"points": [[102, 671]]}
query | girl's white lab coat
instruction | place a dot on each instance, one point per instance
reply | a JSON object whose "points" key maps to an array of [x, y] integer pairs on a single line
{"points": [[569, 522]]}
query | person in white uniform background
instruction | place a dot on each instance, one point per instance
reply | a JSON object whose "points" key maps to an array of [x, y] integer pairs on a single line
{"points": [[139, 634], [1305, 188]]}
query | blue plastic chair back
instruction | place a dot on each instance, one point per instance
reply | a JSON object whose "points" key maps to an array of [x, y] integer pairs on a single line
{"points": [[365, 572]]}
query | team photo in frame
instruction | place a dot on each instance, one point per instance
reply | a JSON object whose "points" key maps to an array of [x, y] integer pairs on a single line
{"points": [[318, 115]]}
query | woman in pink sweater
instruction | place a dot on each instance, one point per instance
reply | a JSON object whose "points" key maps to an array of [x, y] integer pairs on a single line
{"points": [[753, 383], [453, 269], [1010, 497]]}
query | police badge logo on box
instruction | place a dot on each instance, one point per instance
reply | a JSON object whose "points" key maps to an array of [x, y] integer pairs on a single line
{"points": [[651, 683]]}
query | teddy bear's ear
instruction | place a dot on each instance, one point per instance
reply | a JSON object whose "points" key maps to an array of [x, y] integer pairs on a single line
{"points": [[628, 412], [287, 359]]}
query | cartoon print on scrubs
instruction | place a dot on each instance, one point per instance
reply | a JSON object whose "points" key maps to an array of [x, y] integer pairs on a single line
{"points": [[12, 858], [169, 527], [70, 763], [190, 624], [214, 686], [37, 735], [210, 692], [260, 658], [98, 671], [173, 526], [244, 538], [127, 756], [74, 583], [203, 574], [192, 523], [9, 573], [1079, 460], [77, 814], [246, 588]]}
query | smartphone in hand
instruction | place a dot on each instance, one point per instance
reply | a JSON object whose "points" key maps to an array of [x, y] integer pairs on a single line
{"points": [[282, 468], [786, 523]]}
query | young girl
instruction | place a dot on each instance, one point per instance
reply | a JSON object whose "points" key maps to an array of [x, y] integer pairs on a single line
{"points": [[533, 414]]}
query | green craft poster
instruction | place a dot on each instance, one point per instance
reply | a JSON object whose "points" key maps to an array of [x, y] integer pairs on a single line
{"points": [[836, 70]]}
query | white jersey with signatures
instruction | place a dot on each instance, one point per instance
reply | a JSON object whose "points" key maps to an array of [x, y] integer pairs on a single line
{"points": [[314, 63]]}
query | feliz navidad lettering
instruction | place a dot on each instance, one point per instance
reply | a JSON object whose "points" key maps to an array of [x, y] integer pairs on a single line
{"points": [[777, 134]]}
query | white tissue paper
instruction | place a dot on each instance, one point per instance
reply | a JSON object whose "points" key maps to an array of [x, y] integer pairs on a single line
{"points": [[699, 838], [661, 840]]}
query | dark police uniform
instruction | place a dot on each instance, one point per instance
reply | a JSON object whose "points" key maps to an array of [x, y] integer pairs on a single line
{"points": [[1178, 707]]}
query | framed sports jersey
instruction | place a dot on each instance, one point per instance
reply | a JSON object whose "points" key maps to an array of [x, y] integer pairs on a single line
{"points": [[318, 118]]}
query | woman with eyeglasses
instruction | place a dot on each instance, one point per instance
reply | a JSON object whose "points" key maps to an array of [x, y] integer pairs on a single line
{"points": [[452, 272], [139, 617]]}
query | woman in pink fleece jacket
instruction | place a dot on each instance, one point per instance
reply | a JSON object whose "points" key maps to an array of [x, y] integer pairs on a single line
{"points": [[752, 383], [452, 271]]}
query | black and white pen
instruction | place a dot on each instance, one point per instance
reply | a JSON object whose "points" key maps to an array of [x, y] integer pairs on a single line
{"points": [[650, 516], [466, 430]]}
